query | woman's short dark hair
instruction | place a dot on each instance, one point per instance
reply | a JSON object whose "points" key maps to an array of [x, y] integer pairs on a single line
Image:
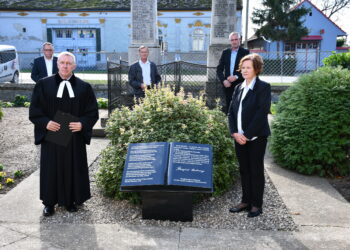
{"points": [[257, 60]]}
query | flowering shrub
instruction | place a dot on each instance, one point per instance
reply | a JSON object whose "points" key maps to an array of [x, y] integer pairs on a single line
{"points": [[165, 117], [9, 181], [2, 175]]}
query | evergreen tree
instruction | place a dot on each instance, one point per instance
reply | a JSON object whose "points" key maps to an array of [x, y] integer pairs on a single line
{"points": [[278, 21]]}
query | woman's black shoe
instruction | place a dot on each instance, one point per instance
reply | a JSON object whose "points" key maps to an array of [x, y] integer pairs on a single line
{"points": [[255, 213], [72, 208], [238, 209], [48, 211]]}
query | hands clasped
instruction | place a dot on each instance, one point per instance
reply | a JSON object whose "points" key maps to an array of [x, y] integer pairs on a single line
{"points": [[239, 138], [73, 126]]}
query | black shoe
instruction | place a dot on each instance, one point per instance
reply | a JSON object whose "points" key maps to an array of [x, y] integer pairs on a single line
{"points": [[238, 209], [48, 211], [255, 213], [72, 208]]}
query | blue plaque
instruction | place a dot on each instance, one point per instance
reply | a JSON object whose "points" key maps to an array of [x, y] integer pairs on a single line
{"points": [[173, 166], [190, 165], [145, 164]]}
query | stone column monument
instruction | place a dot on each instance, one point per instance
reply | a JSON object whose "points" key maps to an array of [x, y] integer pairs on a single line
{"points": [[144, 30], [223, 22]]}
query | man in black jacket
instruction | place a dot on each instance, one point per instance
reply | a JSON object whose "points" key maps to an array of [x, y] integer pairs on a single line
{"points": [[45, 65], [143, 74], [228, 66]]}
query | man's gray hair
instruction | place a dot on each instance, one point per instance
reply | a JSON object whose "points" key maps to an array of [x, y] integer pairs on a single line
{"points": [[66, 53], [234, 33], [143, 47], [47, 43]]}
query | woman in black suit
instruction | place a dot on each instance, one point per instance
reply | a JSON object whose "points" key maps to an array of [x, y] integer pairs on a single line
{"points": [[249, 127]]}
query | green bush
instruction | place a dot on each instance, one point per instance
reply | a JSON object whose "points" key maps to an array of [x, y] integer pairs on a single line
{"points": [[20, 100], [338, 59], [1, 113], [164, 117], [18, 174], [102, 103], [311, 130], [6, 104]]}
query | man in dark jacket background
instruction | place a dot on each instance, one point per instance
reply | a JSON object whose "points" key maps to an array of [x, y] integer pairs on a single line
{"points": [[45, 65], [228, 66], [143, 74]]}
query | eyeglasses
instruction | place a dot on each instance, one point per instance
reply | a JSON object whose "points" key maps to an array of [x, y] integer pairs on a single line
{"points": [[48, 49]]}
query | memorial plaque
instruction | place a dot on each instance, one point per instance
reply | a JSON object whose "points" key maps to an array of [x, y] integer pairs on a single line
{"points": [[171, 166], [190, 165], [222, 21], [144, 30], [145, 164], [144, 14]]}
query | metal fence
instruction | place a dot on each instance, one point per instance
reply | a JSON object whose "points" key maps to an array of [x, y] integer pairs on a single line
{"points": [[92, 66], [194, 79]]}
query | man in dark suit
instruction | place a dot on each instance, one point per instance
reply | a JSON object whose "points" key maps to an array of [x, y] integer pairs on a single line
{"points": [[45, 65], [143, 74], [228, 66]]}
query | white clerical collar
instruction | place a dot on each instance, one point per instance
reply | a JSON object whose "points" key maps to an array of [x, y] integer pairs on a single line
{"points": [[61, 88], [147, 62], [250, 86]]}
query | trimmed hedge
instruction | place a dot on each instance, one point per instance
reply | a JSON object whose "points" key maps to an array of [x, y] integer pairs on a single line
{"points": [[162, 116], [311, 130], [338, 59]]}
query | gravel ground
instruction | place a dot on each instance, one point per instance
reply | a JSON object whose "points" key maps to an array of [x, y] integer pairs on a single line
{"points": [[211, 213], [17, 151]]}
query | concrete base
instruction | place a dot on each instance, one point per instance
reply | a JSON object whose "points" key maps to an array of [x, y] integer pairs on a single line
{"points": [[154, 53]]}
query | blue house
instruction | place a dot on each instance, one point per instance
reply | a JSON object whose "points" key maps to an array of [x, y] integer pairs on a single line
{"points": [[311, 49]]}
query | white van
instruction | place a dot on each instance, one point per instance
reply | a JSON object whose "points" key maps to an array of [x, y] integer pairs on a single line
{"points": [[9, 67]]}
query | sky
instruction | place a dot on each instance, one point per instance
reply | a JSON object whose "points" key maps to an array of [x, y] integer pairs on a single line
{"points": [[339, 19]]}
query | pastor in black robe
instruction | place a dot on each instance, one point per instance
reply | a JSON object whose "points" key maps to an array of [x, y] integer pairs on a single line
{"points": [[64, 175]]}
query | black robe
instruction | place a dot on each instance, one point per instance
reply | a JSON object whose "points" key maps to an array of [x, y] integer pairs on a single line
{"points": [[64, 176]]}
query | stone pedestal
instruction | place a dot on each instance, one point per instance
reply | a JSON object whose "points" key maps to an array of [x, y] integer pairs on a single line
{"points": [[144, 30], [223, 22]]}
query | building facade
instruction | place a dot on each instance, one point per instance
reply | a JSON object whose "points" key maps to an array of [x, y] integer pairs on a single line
{"points": [[86, 32], [311, 49]]}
